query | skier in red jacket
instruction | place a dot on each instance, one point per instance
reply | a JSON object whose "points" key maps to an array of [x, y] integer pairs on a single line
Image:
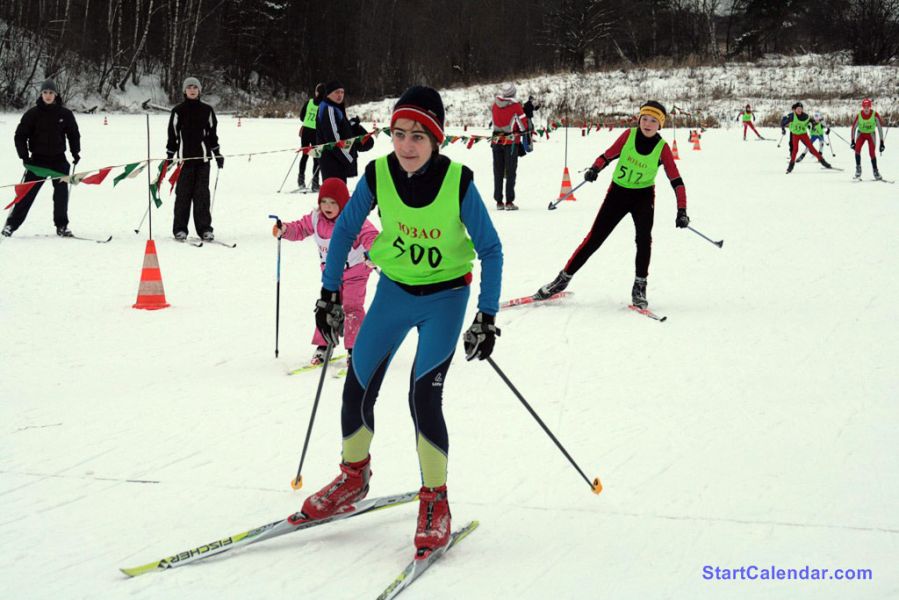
{"points": [[866, 123]]}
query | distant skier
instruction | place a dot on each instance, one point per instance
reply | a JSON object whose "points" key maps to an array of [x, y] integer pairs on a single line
{"points": [[332, 125], [784, 121], [508, 119], [435, 224], [308, 114], [319, 224], [818, 129], [866, 122], [640, 151], [40, 141], [798, 123], [747, 116]]}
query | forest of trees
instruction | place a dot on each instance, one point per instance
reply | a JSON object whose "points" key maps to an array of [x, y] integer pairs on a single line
{"points": [[377, 47]]}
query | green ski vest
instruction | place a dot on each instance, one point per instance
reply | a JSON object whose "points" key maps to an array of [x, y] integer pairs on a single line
{"points": [[418, 246], [311, 112], [867, 125], [747, 117], [798, 127], [634, 170], [818, 129]]}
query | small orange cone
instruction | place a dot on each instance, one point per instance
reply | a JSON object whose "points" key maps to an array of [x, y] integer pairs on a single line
{"points": [[150, 294], [696, 142], [566, 187], [105, 122], [674, 150]]}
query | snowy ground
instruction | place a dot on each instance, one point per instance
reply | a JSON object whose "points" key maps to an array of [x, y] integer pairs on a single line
{"points": [[756, 426]]}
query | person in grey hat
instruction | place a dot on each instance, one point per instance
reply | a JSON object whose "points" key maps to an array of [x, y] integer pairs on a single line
{"points": [[40, 141], [193, 135]]}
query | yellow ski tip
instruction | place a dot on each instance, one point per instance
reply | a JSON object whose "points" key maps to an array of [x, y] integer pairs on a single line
{"points": [[297, 482], [597, 486]]}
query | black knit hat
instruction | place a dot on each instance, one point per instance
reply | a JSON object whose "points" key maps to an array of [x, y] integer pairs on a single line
{"points": [[331, 86], [797, 105], [421, 104], [656, 110], [49, 85]]}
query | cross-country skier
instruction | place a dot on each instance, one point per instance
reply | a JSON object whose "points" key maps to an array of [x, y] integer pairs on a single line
{"points": [[319, 224], [747, 116], [434, 221], [640, 151], [798, 123], [866, 123], [308, 115], [818, 129]]}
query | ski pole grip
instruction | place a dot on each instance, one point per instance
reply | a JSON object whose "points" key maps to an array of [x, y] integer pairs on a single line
{"points": [[277, 219]]}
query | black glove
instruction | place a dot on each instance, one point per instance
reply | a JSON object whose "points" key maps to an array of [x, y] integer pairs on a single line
{"points": [[355, 121], [852, 144], [169, 156], [783, 131], [827, 131], [480, 338], [881, 146], [329, 316], [220, 161], [591, 174], [26, 162], [682, 219], [76, 158]]}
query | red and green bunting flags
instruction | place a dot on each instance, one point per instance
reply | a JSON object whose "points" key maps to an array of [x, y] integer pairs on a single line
{"points": [[131, 171], [44, 172], [174, 178], [21, 190], [154, 187], [97, 178]]}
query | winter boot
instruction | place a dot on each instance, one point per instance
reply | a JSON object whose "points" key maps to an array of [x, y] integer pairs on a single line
{"points": [[554, 287], [318, 357], [790, 167], [638, 293], [824, 163], [7, 231], [858, 172], [180, 235], [511, 206], [874, 168], [346, 489], [208, 236], [315, 185], [64, 232], [433, 530], [301, 184], [500, 205]]}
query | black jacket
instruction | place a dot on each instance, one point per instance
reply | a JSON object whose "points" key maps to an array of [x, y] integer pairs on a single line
{"points": [[193, 130], [332, 125], [43, 131]]}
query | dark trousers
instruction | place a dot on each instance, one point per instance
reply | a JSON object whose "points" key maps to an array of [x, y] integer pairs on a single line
{"points": [[60, 193], [193, 186], [505, 165], [619, 202], [307, 139]]}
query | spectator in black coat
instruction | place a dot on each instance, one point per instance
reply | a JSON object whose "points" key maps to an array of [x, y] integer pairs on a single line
{"points": [[332, 125], [193, 135], [40, 141]]}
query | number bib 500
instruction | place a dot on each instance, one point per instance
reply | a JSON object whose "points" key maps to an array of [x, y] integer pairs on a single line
{"points": [[418, 246], [635, 170]]}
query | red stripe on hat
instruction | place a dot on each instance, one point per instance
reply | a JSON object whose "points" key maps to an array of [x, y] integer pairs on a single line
{"points": [[416, 114]]}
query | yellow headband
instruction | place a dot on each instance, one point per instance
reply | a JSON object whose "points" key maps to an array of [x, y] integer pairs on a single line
{"points": [[652, 111]]}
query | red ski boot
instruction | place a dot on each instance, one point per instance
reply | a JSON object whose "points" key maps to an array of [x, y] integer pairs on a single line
{"points": [[348, 487], [434, 516]]}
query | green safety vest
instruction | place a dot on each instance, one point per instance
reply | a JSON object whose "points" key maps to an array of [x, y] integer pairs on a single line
{"points": [[418, 246], [818, 129], [747, 117], [634, 170], [798, 127], [866, 125], [311, 112]]}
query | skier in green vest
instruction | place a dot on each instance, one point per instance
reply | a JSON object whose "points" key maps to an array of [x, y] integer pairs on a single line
{"points": [[434, 225], [818, 129], [307, 138], [866, 123], [798, 123], [640, 151]]}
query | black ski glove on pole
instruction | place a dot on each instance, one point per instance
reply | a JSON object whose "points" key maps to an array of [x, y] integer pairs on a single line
{"points": [[329, 316], [480, 338], [682, 219]]}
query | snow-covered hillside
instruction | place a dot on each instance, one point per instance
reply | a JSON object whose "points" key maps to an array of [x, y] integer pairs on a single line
{"points": [[756, 426]]}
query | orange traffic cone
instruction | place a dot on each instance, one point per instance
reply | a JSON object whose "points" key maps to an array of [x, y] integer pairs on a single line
{"points": [[696, 142], [105, 122], [150, 294], [674, 150], [566, 187]]}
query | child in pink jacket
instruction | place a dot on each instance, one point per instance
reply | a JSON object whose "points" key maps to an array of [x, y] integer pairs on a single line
{"points": [[332, 197]]}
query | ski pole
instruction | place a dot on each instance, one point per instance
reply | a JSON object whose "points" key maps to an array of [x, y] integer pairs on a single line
{"points": [[829, 145], [297, 482], [554, 203], [781, 139], [595, 485], [214, 190], [842, 138], [286, 175], [141, 224], [277, 287], [720, 244]]}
